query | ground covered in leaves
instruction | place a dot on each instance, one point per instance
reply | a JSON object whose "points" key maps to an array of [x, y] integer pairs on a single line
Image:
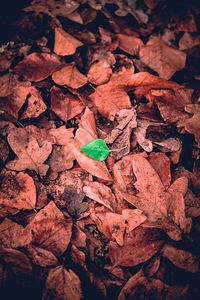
{"points": [[72, 227]]}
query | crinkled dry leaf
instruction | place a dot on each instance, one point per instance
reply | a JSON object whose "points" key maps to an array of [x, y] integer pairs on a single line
{"points": [[4, 150], [69, 75], [139, 245], [62, 284], [100, 193], [150, 286], [38, 66], [192, 124], [65, 106], [31, 154], [62, 158], [181, 258], [18, 191], [161, 164], [130, 44], [13, 235], [65, 44], [41, 257], [51, 230], [162, 58], [84, 134]]}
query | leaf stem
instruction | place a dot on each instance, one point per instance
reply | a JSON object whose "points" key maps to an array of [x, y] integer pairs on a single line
{"points": [[118, 149]]}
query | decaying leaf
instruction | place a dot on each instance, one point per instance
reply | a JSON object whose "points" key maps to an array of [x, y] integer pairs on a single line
{"points": [[62, 284], [38, 66], [162, 58], [85, 133], [139, 245], [41, 257], [69, 75], [30, 153], [65, 43], [66, 106], [130, 44], [51, 230], [18, 191]]}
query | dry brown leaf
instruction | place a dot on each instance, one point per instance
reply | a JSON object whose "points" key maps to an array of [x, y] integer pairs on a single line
{"points": [[65, 106], [99, 73], [62, 158], [130, 44], [187, 41], [65, 43], [4, 150], [100, 193], [140, 133], [162, 58], [62, 284], [13, 93], [139, 245], [111, 97], [41, 257], [69, 75], [51, 230], [181, 258], [161, 164], [31, 154], [133, 218], [192, 124], [36, 105], [18, 262], [13, 235], [18, 191], [150, 286], [84, 134], [38, 66], [171, 103]]}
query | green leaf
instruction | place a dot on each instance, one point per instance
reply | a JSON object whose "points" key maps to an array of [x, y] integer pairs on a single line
{"points": [[96, 149]]}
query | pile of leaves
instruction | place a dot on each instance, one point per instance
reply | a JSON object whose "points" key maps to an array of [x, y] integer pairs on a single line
{"points": [[123, 76]]}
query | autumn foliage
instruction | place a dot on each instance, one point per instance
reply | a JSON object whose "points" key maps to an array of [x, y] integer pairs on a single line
{"points": [[125, 227]]}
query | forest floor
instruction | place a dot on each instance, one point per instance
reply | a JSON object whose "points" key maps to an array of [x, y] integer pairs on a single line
{"points": [[119, 218]]}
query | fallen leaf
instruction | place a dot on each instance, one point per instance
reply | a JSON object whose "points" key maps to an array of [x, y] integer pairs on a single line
{"points": [[192, 124], [62, 158], [169, 145], [62, 284], [161, 164], [130, 44], [30, 153], [13, 235], [139, 245], [162, 58], [99, 73], [140, 133], [18, 191], [111, 97], [150, 286], [65, 44], [69, 75], [38, 66], [187, 41], [97, 149], [84, 134], [100, 193], [65, 106], [41, 257], [36, 105], [181, 258], [51, 230], [4, 150]]}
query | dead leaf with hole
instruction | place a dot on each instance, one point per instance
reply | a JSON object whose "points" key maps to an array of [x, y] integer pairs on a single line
{"points": [[70, 76], [139, 246], [66, 106], [31, 154], [38, 66], [84, 134], [36, 105], [13, 235], [62, 284], [13, 94], [161, 58], [51, 230], [18, 191], [65, 44]]}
